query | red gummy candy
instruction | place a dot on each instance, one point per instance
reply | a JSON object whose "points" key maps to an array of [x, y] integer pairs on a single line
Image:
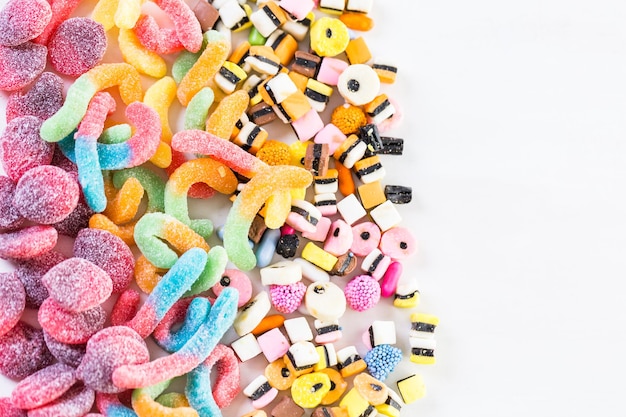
{"points": [[23, 351], [125, 307], [46, 194], [8, 410], [76, 221], [12, 300], [106, 351], [77, 46], [20, 65], [68, 354], [76, 402], [109, 252], [28, 243], [10, 218], [61, 10], [30, 271], [68, 327], [23, 148], [23, 20], [43, 99], [43, 387], [77, 285]]}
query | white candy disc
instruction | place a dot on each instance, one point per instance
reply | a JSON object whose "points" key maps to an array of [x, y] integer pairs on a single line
{"points": [[358, 84]]}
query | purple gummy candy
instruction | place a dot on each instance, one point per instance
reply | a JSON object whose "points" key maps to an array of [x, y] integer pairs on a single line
{"points": [[43, 99], [68, 354], [30, 271], [20, 65], [12, 300], [10, 218], [24, 351], [23, 20], [77, 46]]}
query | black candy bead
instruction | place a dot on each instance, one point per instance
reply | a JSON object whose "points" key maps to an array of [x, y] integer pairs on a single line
{"points": [[398, 194]]}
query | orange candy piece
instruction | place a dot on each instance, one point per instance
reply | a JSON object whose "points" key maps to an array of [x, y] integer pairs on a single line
{"points": [[222, 121]]}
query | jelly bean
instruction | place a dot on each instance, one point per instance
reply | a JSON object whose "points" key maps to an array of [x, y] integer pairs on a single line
{"points": [[64, 353], [69, 327], [46, 194], [209, 401], [21, 21], [23, 351], [153, 228], [28, 243], [43, 99], [145, 405], [21, 65], [30, 271], [205, 170], [192, 312], [101, 77], [77, 45], [390, 280], [43, 386], [287, 298], [7, 409], [194, 352], [13, 301], [137, 55], [362, 292], [61, 10]]}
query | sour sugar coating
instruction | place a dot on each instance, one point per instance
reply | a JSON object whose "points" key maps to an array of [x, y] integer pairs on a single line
{"points": [[76, 402], [30, 271], [209, 401], [43, 99], [44, 386], [61, 11], [191, 312], [222, 120], [12, 300], [194, 352], [362, 292], [145, 406], [24, 351], [187, 28], [161, 41], [125, 308], [22, 21], [198, 109], [23, 148], [10, 217], [77, 46], [287, 298], [68, 354], [80, 93], [108, 252], [123, 205], [77, 220], [68, 327], [382, 360], [152, 184], [134, 53], [77, 285], [198, 190], [20, 65], [27, 243], [107, 350], [205, 170], [238, 280], [7, 409]]}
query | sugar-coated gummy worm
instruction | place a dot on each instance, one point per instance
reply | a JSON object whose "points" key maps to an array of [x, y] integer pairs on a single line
{"points": [[101, 77], [192, 312], [123, 204], [186, 26], [212, 272], [153, 185], [135, 54], [127, 13], [145, 405], [104, 13], [192, 354], [110, 406], [159, 96], [198, 109]]}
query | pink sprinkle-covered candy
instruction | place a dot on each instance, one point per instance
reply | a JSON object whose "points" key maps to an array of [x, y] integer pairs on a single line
{"points": [[76, 402], [23, 20], [23, 351], [46, 194], [20, 65], [107, 350], [10, 218], [68, 327], [43, 99], [287, 298], [8, 410], [77, 285], [12, 300], [28, 242], [30, 271], [43, 386], [77, 46], [362, 292], [68, 354], [109, 252], [22, 147]]}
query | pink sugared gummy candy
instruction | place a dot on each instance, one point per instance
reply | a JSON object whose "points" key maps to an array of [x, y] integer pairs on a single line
{"points": [[362, 292], [77, 46], [46, 194], [23, 148], [109, 252], [68, 327], [76, 402], [30, 271], [77, 285], [68, 354], [21, 65], [7, 409], [44, 386], [23, 20], [12, 300], [28, 243], [43, 99], [23, 351], [76, 221], [10, 218]]}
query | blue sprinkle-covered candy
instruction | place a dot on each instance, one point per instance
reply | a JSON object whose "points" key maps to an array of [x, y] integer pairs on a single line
{"points": [[382, 360]]}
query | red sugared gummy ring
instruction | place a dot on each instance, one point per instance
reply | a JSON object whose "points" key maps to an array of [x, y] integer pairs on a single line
{"points": [[109, 252], [43, 387], [23, 20], [12, 300], [23, 148], [46, 194], [20, 65], [43, 99], [77, 46], [30, 271], [23, 352], [10, 218], [227, 378], [68, 327], [28, 243], [77, 285]]}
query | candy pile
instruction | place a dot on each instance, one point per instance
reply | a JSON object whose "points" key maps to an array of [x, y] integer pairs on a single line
{"points": [[310, 230]]}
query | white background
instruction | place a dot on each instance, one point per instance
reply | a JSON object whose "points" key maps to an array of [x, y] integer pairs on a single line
{"points": [[515, 132]]}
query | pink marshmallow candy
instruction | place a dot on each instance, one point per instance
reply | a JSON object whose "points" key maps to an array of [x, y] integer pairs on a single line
{"points": [[273, 344]]}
